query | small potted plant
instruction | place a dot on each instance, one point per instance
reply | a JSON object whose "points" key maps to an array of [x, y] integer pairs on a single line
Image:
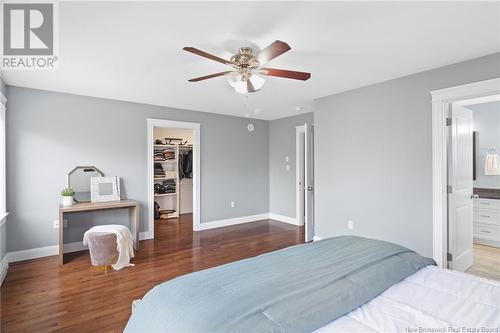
{"points": [[67, 196]]}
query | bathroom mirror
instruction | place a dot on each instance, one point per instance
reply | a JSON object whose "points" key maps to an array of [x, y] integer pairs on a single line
{"points": [[79, 180]]}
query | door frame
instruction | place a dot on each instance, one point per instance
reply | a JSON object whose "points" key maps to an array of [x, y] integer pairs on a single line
{"points": [[441, 99], [151, 124], [299, 190]]}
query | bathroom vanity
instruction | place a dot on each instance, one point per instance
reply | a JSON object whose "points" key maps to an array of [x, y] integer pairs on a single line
{"points": [[486, 217]]}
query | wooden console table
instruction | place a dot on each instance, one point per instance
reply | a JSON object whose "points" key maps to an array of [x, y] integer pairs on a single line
{"points": [[132, 205]]}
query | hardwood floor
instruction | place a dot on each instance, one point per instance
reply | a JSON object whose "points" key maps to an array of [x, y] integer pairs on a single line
{"points": [[486, 262], [40, 296]]}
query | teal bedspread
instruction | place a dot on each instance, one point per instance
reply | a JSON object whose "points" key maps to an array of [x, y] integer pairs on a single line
{"points": [[297, 289]]}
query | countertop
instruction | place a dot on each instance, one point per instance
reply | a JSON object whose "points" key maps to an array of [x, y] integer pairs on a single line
{"points": [[487, 193]]}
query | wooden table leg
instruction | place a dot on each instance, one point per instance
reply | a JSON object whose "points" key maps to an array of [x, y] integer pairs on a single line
{"points": [[61, 238], [134, 225]]}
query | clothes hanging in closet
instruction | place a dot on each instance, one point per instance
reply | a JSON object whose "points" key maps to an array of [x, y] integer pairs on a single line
{"points": [[185, 163]]}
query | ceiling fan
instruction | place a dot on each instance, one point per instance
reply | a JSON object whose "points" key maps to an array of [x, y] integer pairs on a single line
{"points": [[247, 67]]}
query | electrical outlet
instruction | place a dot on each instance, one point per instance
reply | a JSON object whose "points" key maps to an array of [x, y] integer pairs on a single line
{"points": [[350, 225], [288, 168], [287, 159], [232, 204], [56, 224]]}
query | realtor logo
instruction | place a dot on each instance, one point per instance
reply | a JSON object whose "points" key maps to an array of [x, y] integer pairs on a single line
{"points": [[28, 36], [28, 29]]}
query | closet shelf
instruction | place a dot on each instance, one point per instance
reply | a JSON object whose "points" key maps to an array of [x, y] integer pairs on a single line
{"points": [[166, 161], [165, 195], [172, 146]]}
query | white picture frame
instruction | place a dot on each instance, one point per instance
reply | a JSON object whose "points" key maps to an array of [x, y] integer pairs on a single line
{"points": [[104, 189]]}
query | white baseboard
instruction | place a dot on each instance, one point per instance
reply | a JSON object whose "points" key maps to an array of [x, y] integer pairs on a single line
{"points": [[145, 235], [32, 253], [4, 266], [282, 218], [43, 252], [233, 221], [317, 238], [487, 242], [52, 250], [78, 246], [74, 247]]}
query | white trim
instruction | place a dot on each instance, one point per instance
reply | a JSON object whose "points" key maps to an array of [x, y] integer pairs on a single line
{"points": [[3, 218], [283, 218], [3, 99], [440, 103], [32, 253], [487, 242], [74, 247], [298, 131], [479, 100], [145, 235], [151, 123], [467, 91], [53, 250], [317, 238], [46, 251], [4, 266], [233, 221]]}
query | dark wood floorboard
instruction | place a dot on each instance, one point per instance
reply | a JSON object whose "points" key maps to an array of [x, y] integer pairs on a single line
{"points": [[40, 296]]}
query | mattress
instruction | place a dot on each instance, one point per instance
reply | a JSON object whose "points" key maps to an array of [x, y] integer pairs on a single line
{"points": [[431, 300]]}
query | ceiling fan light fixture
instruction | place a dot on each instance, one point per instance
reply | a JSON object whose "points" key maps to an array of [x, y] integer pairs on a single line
{"points": [[257, 81], [241, 87], [233, 79], [245, 66]]}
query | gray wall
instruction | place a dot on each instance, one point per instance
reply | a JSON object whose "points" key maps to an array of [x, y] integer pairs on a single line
{"points": [[373, 152], [49, 133], [282, 144], [3, 227], [487, 125]]}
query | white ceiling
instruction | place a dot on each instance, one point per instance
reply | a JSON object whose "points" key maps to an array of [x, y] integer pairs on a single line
{"points": [[132, 51]]}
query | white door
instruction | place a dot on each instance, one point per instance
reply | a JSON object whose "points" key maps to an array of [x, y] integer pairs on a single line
{"points": [[299, 169], [309, 183], [460, 242]]}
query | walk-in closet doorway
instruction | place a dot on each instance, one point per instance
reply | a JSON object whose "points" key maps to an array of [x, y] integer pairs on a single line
{"points": [[173, 172]]}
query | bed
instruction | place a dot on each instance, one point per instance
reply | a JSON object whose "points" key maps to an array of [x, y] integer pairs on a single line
{"points": [[340, 284]]}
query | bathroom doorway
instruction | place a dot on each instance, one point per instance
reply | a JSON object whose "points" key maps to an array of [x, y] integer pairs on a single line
{"points": [[474, 186]]}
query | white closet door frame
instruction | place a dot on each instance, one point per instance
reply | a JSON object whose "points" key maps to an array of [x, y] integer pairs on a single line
{"points": [[151, 124], [464, 94]]}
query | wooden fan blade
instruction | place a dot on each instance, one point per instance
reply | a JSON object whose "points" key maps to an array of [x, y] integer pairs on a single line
{"points": [[276, 48], [206, 55], [196, 79], [285, 73], [250, 87]]}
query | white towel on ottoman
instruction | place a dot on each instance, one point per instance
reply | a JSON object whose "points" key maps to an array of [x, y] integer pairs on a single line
{"points": [[124, 243]]}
